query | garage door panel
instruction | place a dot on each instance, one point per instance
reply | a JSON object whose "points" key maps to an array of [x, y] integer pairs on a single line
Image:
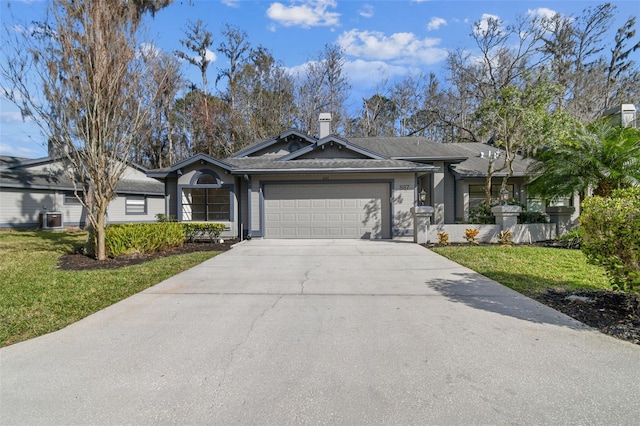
{"points": [[299, 218], [318, 232], [337, 210], [350, 217], [350, 204], [334, 218]]}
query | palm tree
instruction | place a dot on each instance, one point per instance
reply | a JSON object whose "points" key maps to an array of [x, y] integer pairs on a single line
{"points": [[599, 157]]}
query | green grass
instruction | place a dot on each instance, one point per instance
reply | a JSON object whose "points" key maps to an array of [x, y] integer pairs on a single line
{"points": [[528, 269], [37, 298]]}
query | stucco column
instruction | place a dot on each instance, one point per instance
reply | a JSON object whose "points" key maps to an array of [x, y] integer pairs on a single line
{"points": [[438, 193], [506, 216], [561, 216], [421, 221]]}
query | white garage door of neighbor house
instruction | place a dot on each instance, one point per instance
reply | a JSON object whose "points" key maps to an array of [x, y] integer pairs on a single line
{"points": [[323, 210]]}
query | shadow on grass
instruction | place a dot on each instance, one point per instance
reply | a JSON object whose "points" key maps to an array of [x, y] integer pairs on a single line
{"points": [[479, 292], [46, 240]]}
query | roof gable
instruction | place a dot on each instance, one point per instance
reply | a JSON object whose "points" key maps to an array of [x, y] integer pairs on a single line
{"points": [[283, 144], [332, 147], [198, 158]]}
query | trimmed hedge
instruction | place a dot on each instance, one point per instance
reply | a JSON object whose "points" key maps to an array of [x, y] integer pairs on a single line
{"points": [[129, 238], [194, 230], [610, 230]]}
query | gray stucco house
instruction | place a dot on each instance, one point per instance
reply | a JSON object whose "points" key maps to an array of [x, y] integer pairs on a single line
{"points": [[38, 192], [297, 186]]}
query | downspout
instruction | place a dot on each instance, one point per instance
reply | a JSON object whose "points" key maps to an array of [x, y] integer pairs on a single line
{"points": [[455, 199], [167, 197], [239, 229], [249, 227]]}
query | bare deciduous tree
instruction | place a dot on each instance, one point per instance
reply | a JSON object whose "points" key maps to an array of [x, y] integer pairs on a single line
{"points": [[324, 88], [156, 148], [236, 49], [198, 41], [80, 75], [265, 97]]}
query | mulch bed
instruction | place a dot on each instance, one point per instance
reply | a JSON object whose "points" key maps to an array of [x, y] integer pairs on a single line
{"points": [[80, 262], [613, 313]]}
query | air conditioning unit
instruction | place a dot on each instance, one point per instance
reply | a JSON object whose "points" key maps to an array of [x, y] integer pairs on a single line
{"points": [[52, 220]]}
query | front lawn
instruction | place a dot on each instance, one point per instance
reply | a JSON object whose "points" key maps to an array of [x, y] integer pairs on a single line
{"points": [[37, 298], [529, 270]]}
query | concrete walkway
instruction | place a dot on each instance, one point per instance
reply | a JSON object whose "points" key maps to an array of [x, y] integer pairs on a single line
{"points": [[323, 332]]}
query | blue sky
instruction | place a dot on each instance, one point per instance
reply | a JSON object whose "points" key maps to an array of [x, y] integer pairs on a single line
{"points": [[381, 39]]}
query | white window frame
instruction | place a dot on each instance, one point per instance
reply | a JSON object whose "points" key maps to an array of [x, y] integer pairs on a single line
{"points": [[135, 205]]}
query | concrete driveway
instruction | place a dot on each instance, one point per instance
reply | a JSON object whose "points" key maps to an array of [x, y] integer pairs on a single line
{"points": [[323, 332]]}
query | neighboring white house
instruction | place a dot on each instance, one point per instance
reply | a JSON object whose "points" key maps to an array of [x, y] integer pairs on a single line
{"points": [[297, 186], [36, 193]]}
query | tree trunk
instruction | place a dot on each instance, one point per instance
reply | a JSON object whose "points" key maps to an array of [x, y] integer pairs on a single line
{"points": [[101, 250]]}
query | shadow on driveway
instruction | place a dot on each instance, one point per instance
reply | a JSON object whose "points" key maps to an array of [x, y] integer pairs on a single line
{"points": [[479, 292]]}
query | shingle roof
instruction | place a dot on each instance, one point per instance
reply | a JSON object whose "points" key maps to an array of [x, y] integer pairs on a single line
{"points": [[254, 165], [24, 177], [7, 161], [36, 179], [407, 147], [150, 187], [466, 159]]}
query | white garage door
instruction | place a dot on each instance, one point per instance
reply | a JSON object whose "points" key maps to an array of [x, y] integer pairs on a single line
{"points": [[323, 210]]}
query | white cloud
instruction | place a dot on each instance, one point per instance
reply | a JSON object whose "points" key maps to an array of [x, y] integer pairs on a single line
{"points": [[19, 137], [435, 23], [11, 117], [362, 73], [25, 148], [399, 47], [544, 18], [366, 11], [149, 50], [482, 25], [305, 13], [211, 56], [231, 3], [541, 12]]}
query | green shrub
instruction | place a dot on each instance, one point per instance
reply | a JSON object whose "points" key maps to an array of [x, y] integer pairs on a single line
{"points": [[164, 218], [132, 238], [482, 215], [610, 229], [532, 217], [193, 230], [571, 239]]}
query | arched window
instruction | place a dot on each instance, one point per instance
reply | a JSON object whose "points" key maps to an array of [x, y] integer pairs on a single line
{"points": [[206, 199], [206, 179]]}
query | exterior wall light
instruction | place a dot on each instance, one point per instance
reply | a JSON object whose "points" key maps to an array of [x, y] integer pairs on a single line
{"points": [[423, 197], [504, 197]]}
